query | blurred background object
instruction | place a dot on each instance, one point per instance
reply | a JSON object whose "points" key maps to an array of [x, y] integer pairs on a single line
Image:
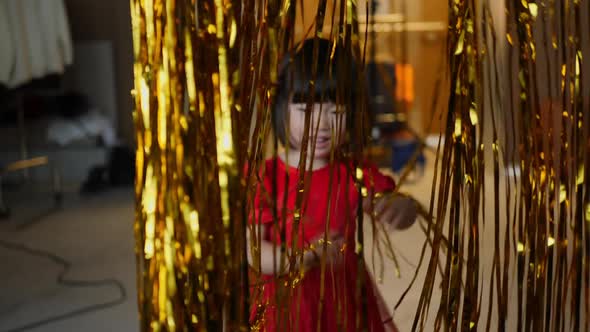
{"points": [[66, 129], [64, 91]]}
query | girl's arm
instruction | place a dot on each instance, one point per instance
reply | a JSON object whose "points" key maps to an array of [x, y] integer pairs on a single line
{"points": [[269, 254]]}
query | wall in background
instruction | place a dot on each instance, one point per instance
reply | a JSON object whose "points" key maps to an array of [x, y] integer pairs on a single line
{"points": [[109, 20]]}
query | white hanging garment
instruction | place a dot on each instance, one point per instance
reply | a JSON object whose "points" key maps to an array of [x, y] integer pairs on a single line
{"points": [[6, 45], [41, 40], [25, 29], [58, 41]]}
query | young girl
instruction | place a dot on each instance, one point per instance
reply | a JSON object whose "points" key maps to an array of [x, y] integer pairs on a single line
{"points": [[330, 290]]}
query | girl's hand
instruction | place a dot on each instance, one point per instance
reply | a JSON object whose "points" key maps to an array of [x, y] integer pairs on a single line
{"points": [[394, 209], [334, 250]]}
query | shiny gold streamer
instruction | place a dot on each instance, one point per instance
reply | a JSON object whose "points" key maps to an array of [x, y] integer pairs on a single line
{"points": [[201, 68], [204, 70], [190, 218], [539, 279]]}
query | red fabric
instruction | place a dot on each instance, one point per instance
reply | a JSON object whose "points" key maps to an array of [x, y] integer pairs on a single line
{"points": [[341, 307]]}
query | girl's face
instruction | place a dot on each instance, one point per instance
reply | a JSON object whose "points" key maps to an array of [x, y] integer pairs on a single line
{"points": [[326, 131]]}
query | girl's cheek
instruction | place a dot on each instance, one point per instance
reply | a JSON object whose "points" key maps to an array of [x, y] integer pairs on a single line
{"points": [[339, 127]]}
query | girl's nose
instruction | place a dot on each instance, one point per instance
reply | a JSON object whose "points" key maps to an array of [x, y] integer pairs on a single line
{"points": [[321, 118]]}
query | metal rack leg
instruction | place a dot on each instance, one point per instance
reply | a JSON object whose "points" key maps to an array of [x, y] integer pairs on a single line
{"points": [[4, 212], [57, 189], [24, 152]]}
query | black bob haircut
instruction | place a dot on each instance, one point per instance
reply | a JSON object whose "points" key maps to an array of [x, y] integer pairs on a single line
{"points": [[336, 80]]}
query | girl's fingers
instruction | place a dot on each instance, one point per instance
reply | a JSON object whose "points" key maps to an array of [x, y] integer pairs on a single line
{"points": [[403, 215], [390, 216], [332, 235], [366, 204], [336, 250], [380, 206]]}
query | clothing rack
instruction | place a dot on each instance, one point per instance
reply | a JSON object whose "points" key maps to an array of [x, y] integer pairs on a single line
{"points": [[389, 27], [37, 44], [25, 161]]}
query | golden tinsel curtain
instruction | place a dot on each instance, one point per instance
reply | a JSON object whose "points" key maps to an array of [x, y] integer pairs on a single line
{"points": [[518, 108]]}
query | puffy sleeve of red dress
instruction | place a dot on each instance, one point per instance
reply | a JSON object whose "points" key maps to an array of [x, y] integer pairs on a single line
{"points": [[333, 297]]}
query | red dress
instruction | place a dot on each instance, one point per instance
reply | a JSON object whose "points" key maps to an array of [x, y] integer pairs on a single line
{"points": [[282, 305]]}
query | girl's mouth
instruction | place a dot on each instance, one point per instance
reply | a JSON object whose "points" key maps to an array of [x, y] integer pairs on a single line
{"points": [[322, 141]]}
